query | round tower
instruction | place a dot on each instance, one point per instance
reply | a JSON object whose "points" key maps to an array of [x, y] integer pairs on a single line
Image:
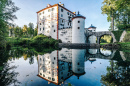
{"points": [[78, 59], [78, 25]]}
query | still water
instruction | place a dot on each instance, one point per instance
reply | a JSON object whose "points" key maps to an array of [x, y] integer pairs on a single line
{"points": [[66, 67]]}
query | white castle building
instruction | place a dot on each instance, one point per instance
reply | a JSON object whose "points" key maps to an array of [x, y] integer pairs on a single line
{"points": [[60, 23]]}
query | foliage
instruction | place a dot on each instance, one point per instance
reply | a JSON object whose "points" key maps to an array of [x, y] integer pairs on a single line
{"points": [[119, 11], [7, 9], [117, 73], [124, 45], [106, 39], [117, 35], [40, 40]]}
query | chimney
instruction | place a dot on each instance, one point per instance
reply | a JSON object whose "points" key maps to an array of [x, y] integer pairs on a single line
{"points": [[59, 3], [48, 5]]}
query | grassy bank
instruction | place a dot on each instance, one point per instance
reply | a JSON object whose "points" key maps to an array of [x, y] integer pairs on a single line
{"points": [[40, 40], [124, 45]]}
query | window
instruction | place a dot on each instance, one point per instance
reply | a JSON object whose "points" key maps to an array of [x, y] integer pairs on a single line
{"points": [[52, 62], [78, 63], [68, 23], [43, 28], [54, 30], [78, 21], [62, 21], [43, 12], [39, 13], [43, 23], [78, 27], [52, 25], [61, 15], [61, 10], [68, 13], [48, 26], [78, 69], [53, 79], [52, 9], [48, 10], [48, 15], [40, 23], [54, 58], [40, 29]]}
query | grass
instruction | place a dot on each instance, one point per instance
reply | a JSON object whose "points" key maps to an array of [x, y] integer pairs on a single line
{"points": [[124, 45], [40, 40], [103, 43]]}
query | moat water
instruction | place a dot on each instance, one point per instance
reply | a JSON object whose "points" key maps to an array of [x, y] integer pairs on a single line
{"points": [[66, 67]]}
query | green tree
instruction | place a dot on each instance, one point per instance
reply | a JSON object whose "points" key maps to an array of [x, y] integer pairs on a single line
{"points": [[118, 12], [25, 31], [35, 31], [109, 8], [30, 29], [7, 9]]}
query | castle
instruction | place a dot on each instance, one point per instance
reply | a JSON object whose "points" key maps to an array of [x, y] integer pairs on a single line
{"points": [[60, 23]]}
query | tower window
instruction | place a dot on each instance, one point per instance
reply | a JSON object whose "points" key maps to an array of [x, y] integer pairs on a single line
{"points": [[61, 10], [54, 30], [61, 15], [78, 27], [78, 21]]}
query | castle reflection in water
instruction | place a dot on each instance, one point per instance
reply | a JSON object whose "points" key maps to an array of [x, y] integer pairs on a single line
{"points": [[57, 66]]}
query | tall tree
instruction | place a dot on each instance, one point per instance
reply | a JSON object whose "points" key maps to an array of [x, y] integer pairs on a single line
{"points": [[109, 8], [118, 12], [30, 29], [7, 9]]}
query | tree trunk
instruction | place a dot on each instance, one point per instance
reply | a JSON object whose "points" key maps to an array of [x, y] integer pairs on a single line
{"points": [[112, 22]]}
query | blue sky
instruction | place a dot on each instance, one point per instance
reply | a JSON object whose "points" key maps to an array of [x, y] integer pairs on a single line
{"points": [[91, 9]]}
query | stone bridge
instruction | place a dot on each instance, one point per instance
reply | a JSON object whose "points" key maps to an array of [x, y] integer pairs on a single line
{"points": [[99, 35], [100, 55]]}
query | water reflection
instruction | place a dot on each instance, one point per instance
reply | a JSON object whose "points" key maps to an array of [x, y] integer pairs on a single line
{"points": [[78, 67], [58, 66]]}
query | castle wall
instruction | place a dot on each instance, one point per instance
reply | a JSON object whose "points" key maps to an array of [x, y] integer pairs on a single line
{"points": [[47, 22], [65, 35]]}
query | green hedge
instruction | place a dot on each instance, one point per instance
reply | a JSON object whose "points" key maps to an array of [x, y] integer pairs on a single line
{"points": [[117, 35]]}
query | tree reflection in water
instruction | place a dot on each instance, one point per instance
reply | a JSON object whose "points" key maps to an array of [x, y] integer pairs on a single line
{"points": [[118, 73]]}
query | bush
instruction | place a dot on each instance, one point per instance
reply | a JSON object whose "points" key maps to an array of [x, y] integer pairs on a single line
{"points": [[117, 34]]}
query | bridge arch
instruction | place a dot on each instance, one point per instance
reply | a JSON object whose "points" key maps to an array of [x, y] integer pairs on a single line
{"points": [[99, 35]]}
